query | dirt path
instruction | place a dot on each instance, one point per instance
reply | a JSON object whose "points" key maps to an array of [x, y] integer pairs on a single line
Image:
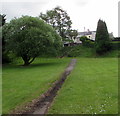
{"points": [[42, 104], [46, 102]]}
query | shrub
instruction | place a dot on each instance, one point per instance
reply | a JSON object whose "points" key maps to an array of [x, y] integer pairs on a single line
{"points": [[87, 42]]}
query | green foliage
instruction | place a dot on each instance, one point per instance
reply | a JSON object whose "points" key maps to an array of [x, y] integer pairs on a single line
{"points": [[67, 40], [102, 40], [5, 57], [58, 19], [87, 42], [72, 34], [77, 51], [83, 39], [115, 45], [29, 37], [84, 51]]}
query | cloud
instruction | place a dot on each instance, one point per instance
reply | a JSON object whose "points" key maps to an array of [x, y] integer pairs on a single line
{"points": [[16, 9], [42, 1], [83, 13], [81, 2]]}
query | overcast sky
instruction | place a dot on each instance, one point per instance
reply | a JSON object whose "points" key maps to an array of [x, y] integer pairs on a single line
{"points": [[83, 13]]}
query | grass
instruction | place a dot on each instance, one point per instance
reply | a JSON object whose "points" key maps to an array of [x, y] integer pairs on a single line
{"points": [[92, 88], [22, 84], [87, 52], [78, 51]]}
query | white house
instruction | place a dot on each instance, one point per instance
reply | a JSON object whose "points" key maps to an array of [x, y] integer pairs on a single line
{"points": [[88, 34], [91, 35]]}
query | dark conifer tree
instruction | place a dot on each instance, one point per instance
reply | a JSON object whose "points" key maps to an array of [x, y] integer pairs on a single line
{"points": [[102, 41]]}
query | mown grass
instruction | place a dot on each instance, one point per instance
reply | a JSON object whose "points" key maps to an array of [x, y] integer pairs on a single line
{"points": [[92, 88], [22, 84]]}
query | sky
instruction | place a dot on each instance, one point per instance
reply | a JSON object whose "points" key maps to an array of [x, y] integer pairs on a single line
{"points": [[83, 13]]}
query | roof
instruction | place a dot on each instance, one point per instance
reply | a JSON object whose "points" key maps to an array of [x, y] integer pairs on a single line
{"points": [[85, 33]]}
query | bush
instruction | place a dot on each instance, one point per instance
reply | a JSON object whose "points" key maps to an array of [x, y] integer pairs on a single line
{"points": [[77, 51], [8, 57], [87, 42], [5, 58], [115, 45]]}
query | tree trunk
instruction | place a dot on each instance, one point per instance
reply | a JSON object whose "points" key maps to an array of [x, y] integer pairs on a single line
{"points": [[26, 63], [27, 60]]}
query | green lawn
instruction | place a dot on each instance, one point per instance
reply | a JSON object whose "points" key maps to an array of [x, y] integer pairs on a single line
{"points": [[22, 84], [92, 88]]}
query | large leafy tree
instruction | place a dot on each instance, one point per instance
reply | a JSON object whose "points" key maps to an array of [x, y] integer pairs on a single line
{"points": [[29, 37], [59, 19], [102, 40]]}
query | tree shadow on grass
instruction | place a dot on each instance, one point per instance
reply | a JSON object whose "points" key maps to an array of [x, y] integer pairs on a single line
{"points": [[34, 65], [42, 64]]}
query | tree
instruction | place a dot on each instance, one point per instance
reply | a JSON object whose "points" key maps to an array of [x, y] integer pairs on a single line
{"points": [[83, 39], [73, 34], [87, 42], [29, 37], [58, 19], [102, 40]]}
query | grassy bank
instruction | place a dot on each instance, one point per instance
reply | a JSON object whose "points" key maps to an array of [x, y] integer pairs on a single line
{"points": [[89, 52], [22, 84], [92, 88]]}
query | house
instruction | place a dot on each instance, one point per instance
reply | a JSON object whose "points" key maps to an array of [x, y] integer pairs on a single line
{"points": [[76, 41], [88, 34], [91, 35], [72, 42]]}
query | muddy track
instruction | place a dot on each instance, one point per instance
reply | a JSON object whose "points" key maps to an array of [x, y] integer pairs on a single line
{"points": [[42, 104]]}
